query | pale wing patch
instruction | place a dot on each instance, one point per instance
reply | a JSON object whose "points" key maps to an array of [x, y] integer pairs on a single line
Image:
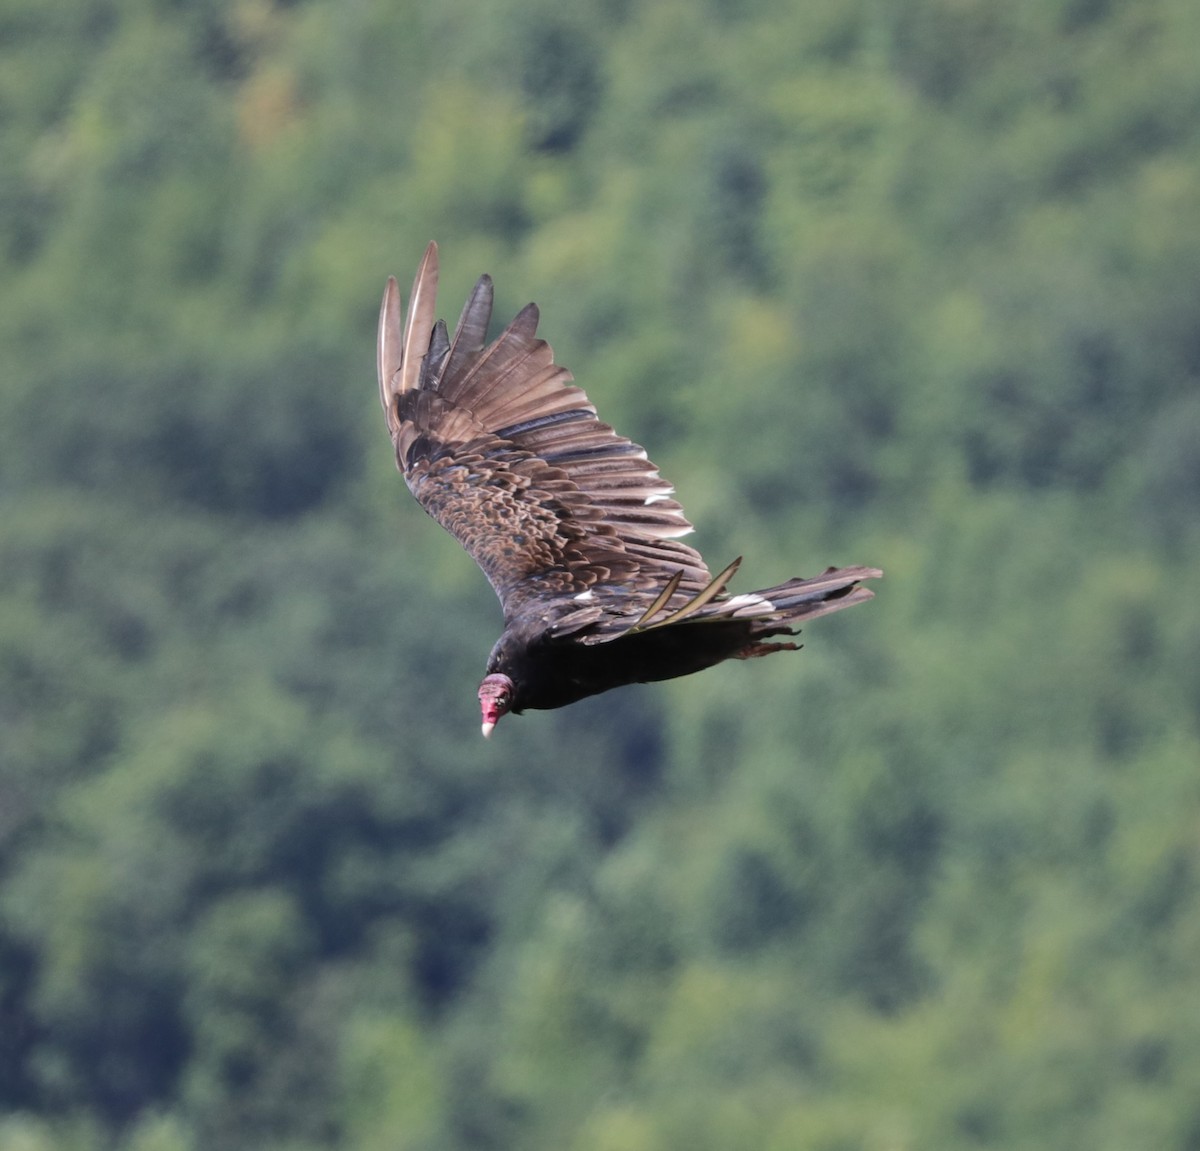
{"points": [[750, 600]]}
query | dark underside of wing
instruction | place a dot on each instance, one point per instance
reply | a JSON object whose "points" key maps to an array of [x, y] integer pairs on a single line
{"points": [[565, 517]]}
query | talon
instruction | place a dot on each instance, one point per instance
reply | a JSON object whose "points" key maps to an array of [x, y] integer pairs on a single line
{"points": [[754, 650]]}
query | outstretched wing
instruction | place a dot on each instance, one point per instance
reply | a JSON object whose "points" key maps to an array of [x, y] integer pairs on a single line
{"points": [[508, 456]]}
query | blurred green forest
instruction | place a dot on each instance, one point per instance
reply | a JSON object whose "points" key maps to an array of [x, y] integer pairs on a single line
{"points": [[913, 283]]}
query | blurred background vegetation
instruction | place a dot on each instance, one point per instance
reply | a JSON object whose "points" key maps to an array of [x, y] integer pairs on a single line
{"points": [[913, 283]]}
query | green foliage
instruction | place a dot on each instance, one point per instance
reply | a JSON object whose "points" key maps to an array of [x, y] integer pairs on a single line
{"points": [[909, 284]]}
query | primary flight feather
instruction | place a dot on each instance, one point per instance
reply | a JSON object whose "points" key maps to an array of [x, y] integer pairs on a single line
{"points": [[570, 522]]}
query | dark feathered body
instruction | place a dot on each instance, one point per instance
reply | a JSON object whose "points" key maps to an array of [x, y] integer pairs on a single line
{"points": [[571, 523], [553, 674]]}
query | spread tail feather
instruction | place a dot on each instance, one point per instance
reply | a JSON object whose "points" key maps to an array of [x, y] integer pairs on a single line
{"points": [[801, 599], [772, 611], [775, 610]]}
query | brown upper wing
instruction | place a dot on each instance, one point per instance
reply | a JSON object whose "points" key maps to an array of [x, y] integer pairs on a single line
{"points": [[507, 455]]}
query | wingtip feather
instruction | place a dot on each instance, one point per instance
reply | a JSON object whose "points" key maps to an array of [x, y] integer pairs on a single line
{"points": [[389, 348], [418, 323]]}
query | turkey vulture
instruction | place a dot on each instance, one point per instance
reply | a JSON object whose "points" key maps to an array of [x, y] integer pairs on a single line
{"points": [[570, 522]]}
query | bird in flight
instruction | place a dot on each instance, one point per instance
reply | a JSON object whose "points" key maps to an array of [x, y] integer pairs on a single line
{"points": [[573, 526]]}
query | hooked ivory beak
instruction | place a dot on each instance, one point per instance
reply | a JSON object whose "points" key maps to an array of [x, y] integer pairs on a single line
{"points": [[488, 725]]}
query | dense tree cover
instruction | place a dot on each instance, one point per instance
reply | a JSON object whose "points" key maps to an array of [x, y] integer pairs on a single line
{"points": [[912, 283]]}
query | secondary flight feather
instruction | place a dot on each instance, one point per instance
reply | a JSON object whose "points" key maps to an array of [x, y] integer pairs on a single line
{"points": [[574, 527]]}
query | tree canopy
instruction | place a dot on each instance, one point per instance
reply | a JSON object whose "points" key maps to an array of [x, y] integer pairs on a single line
{"points": [[910, 284]]}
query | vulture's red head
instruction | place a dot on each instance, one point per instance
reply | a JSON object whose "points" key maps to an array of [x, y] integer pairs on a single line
{"points": [[495, 699]]}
